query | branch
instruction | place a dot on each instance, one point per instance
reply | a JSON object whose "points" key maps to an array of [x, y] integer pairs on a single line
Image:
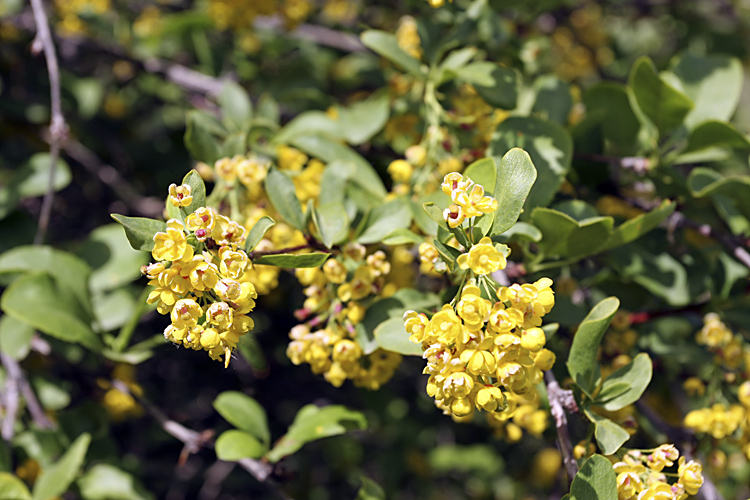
{"points": [[561, 401], [639, 164], [194, 441], [57, 128], [733, 243], [16, 385]]}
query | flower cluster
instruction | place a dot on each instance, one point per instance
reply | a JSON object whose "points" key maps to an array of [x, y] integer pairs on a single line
{"points": [[731, 350], [337, 296], [485, 355], [468, 199], [121, 405], [200, 280], [640, 476]]}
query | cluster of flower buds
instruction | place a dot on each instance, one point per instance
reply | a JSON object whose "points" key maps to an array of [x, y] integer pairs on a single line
{"points": [[199, 279], [640, 476], [338, 294], [468, 199], [485, 355]]}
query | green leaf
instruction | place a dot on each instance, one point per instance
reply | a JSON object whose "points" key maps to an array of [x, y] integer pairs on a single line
{"points": [[15, 338], [332, 223], [484, 173], [455, 61], [245, 413], [12, 488], [37, 300], [198, 189], [436, 214], [662, 275], [293, 260], [553, 99], [234, 445], [360, 121], [384, 219], [549, 146], [107, 482], [447, 253], [716, 134], [635, 376], [582, 364], [56, 479], [281, 194], [563, 236], [330, 151], [257, 233], [309, 122], [140, 231], [31, 180], [114, 262], [478, 460], [51, 395], [251, 350], [497, 85], [609, 104], [391, 335], [236, 107], [662, 103], [402, 237], [520, 230], [312, 423], [370, 490], [596, 480], [199, 141], [609, 436], [385, 44], [515, 177], [714, 83], [636, 227]]}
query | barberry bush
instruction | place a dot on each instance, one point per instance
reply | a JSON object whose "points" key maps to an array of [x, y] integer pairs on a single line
{"points": [[346, 249]]}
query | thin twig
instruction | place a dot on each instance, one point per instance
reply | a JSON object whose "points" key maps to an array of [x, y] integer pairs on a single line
{"points": [[194, 441], [11, 396], [561, 401], [57, 127]]}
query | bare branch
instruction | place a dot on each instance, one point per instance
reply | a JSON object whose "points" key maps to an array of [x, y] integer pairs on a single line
{"points": [[561, 401], [194, 441], [10, 398], [57, 128]]}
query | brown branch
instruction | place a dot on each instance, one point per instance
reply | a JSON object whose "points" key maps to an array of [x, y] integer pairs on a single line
{"points": [[16, 385], [561, 401], [194, 441], [57, 128]]}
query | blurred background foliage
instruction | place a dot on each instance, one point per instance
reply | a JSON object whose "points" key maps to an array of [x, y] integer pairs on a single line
{"points": [[130, 73]]}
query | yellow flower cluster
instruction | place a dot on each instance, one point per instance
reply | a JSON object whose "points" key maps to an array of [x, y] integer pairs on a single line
{"points": [[200, 281], [484, 355], [640, 476], [731, 350], [249, 171], [430, 261], [476, 115], [337, 296], [240, 15], [468, 199], [723, 422], [407, 37]]}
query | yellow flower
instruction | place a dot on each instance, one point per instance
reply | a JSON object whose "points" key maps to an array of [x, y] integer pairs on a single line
{"points": [[290, 158], [203, 275], [185, 313], [172, 245], [691, 475], [416, 155], [483, 258], [219, 314], [545, 359], [743, 393], [232, 263], [407, 37], [201, 222], [474, 203], [400, 170], [180, 196], [503, 320], [454, 216], [346, 351], [663, 456], [454, 182], [533, 339], [378, 263], [226, 169], [490, 398], [227, 232], [415, 324], [472, 308], [694, 386], [444, 325]]}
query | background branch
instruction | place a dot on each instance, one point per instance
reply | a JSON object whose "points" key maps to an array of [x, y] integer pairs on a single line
{"points": [[561, 400]]}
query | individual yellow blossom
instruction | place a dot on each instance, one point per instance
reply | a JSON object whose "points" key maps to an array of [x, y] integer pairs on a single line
{"points": [[378, 263], [445, 325], [201, 222], [714, 333], [246, 301], [629, 482], [172, 245], [400, 170], [454, 182], [454, 216], [483, 258], [415, 324], [472, 308], [416, 155], [691, 475], [251, 172], [585, 449], [227, 232], [203, 275], [663, 456], [533, 339], [474, 203], [694, 386], [546, 465], [491, 398], [545, 359], [219, 314], [180, 196], [407, 37], [334, 271], [657, 491], [233, 263], [225, 168], [185, 313]]}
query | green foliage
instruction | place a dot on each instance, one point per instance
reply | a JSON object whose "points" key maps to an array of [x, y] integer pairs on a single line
{"points": [[293, 261], [280, 189], [140, 231], [57, 478], [257, 232], [595, 481], [625, 385], [244, 413], [312, 423], [385, 44]]}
